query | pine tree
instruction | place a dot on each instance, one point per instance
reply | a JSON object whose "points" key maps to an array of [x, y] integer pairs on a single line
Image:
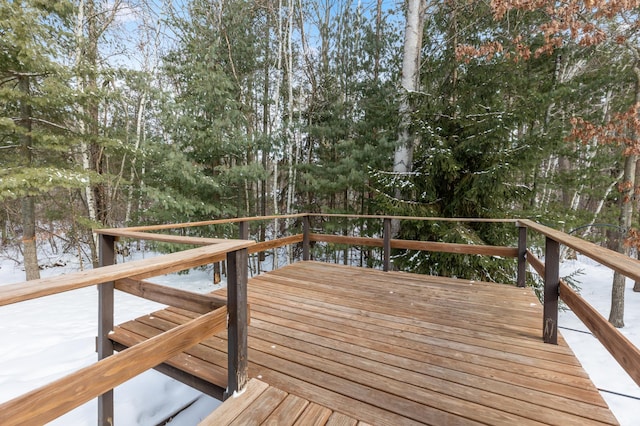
{"points": [[478, 141], [209, 115], [37, 145]]}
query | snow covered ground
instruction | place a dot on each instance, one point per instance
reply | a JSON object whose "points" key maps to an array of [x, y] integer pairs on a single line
{"points": [[618, 389], [47, 338]]}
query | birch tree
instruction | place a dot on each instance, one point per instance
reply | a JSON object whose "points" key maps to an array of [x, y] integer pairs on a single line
{"points": [[409, 85], [593, 23]]}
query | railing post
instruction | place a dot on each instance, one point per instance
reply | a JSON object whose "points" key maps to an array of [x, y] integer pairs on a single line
{"points": [[105, 325], [386, 245], [305, 238], [243, 230], [522, 256], [238, 320], [551, 291]]}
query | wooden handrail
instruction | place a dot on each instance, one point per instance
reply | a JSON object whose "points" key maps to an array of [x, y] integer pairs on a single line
{"points": [[195, 302], [63, 395], [201, 223], [436, 219], [535, 263], [278, 242], [456, 248], [617, 261], [165, 238], [418, 245], [108, 231], [625, 352], [138, 269]]}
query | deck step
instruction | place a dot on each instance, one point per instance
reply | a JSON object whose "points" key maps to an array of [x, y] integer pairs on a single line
{"points": [[260, 403]]}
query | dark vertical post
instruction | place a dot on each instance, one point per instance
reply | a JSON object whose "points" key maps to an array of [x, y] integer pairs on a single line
{"points": [[386, 244], [243, 230], [238, 320], [305, 238], [551, 289], [105, 325], [522, 256]]}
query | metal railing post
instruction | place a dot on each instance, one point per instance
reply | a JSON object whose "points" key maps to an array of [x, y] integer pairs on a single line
{"points": [[522, 256], [386, 245], [305, 238], [237, 365], [105, 325], [551, 291]]}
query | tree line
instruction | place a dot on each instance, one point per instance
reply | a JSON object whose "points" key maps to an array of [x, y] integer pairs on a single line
{"points": [[120, 112]]}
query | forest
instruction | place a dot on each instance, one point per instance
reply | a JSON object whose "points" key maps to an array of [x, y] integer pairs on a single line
{"points": [[123, 112]]}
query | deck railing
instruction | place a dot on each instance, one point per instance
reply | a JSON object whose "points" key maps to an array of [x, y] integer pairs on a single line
{"points": [[625, 353], [98, 380], [130, 277]]}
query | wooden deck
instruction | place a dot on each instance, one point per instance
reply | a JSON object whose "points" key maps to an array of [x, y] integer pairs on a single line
{"points": [[264, 404], [395, 348]]}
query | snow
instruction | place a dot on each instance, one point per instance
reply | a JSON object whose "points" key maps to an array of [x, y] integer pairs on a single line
{"points": [[595, 287], [47, 338]]}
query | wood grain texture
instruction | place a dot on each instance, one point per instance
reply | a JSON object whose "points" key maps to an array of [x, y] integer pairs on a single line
{"points": [[418, 245], [236, 405], [61, 396], [108, 231], [262, 404], [138, 269], [619, 262], [398, 348], [196, 302], [625, 352], [280, 242]]}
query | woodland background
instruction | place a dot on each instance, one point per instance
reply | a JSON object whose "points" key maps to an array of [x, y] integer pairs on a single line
{"points": [[115, 113]]}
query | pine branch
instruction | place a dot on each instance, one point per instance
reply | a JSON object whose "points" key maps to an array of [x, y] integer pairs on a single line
{"points": [[27, 74], [46, 122], [12, 78]]}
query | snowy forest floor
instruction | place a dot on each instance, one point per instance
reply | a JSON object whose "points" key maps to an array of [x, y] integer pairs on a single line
{"points": [[47, 338]]}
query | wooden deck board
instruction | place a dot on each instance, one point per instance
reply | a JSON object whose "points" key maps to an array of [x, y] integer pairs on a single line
{"points": [[395, 348]]}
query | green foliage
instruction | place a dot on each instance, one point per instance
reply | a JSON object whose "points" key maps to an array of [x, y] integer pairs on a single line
{"points": [[208, 163], [352, 114], [479, 144], [36, 141]]}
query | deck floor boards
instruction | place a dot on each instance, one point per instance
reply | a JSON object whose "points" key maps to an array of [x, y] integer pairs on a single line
{"points": [[344, 345]]}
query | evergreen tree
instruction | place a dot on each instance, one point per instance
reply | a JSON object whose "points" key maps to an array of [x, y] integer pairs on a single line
{"points": [[208, 117], [352, 112], [36, 142], [475, 150]]}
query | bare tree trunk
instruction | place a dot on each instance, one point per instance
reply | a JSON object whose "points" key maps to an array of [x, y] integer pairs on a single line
{"points": [[266, 134], [276, 92], [636, 284], [616, 316], [139, 138], [589, 229], [406, 142], [627, 195], [30, 252], [291, 139]]}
